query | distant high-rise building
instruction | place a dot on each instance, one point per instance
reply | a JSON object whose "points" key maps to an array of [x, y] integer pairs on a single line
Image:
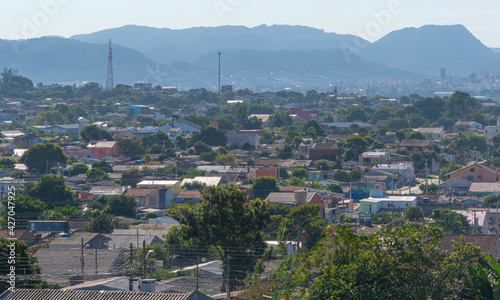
{"points": [[443, 73], [110, 84]]}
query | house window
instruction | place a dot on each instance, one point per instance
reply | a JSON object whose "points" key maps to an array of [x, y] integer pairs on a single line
{"points": [[470, 177], [472, 169], [108, 152]]}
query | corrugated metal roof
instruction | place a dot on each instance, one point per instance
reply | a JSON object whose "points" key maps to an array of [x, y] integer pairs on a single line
{"points": [[30, 294]]}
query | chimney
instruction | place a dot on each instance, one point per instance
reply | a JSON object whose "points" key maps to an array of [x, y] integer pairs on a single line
{"points": [[147, 285]]}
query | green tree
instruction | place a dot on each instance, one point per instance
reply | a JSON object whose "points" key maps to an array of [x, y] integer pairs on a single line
{"points": [[262, 186], [357, 144], [78, 168], [24, 261], [300, 172], [103, 165], [431, 108], [450, 221], [307, 219], [181, 142], [7, 163], [96, 175], [415, 135], [129, 147], [121, 205], [52, 190], [461, 106], [95, 133], [396, 124], [211, 136], [131, 177], [52, 117], [24, 209], [226, 160], [405, 263], [200, 147], [101, 222], [285, 152], [224, 219], [43, 157], [413, 213], [279, 119]]}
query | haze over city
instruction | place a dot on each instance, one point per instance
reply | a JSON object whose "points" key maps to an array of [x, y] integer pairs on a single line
{"points": [[29, 19]]}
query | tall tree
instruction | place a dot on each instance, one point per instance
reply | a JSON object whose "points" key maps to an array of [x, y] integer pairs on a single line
{"points": [[52, 190], [226, 220], [129, 147], [95, 133], [262, 186], [42, 157]]}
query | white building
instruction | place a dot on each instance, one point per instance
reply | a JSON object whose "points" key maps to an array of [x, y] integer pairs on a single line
{"points": [[377, 202], [490, 131]]}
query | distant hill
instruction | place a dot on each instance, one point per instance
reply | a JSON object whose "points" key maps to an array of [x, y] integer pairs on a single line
{"points": [[53, 59], [429, 48], [279, 69], [167, 45]]}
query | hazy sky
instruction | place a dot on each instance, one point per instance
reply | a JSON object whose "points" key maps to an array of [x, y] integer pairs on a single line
{"points": [[370, 19]]}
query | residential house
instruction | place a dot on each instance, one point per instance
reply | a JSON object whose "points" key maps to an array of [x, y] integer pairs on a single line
{"points": [[459, 185], [69, 262], [324, 150], [436, 133], [342, 125], [120, 241], [171, 131], [139, 109], [76, 152], [388, 138], [482, 189], [367, 158], [263, 117], [151, 197], [269, 172], [405, 171], [411, 145], [98, 191], [305, 115], [477, 218], [489, 243], [173, 185], [187, 196], [90, 241], [475, 172], [30, 238], [466, 126], [205, 180], [377, 202], [490, 131], [243, 137], [52, 226], [23, 139], [104, 148], [297, 198], [7, 149], [186, 126]]}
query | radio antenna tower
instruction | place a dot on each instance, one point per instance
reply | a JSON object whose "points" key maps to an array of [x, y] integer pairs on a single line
{"points": [[110, 84]]}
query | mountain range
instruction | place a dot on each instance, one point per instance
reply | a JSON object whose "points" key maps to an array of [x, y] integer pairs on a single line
{"points": [[274, 57]]}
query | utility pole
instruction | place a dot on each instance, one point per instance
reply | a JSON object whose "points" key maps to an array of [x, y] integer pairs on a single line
{"points": [[219, 71], [197, 272], [228, 286], [81, 258], [96, 261], [426, 179], [131, 263], [144, 258], [298, 237]]}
